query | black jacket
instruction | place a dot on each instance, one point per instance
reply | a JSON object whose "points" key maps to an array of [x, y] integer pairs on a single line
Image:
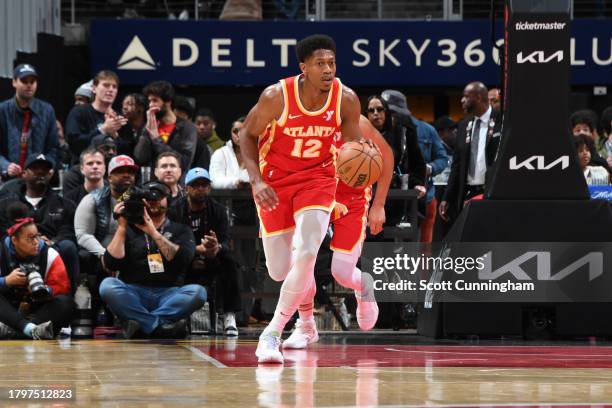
{"points": [[215, 219], [402, 137], [183, 140], [81, 127], [457, 181], [134, 268], [54, 215]]}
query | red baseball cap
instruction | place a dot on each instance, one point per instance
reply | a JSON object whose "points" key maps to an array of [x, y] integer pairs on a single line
{"points": [[121, 161]]}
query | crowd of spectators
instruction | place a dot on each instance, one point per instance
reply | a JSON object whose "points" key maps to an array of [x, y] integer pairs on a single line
{"points": [[154, 269]]}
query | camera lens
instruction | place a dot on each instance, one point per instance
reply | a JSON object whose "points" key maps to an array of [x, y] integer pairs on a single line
{"points": [[35, 281]]}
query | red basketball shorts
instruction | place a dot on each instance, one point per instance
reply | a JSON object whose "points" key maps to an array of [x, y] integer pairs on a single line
{"points": [[311, 189], [350, 226]]}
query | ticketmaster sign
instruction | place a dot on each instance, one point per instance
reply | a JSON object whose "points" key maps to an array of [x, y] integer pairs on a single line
{"points": [[369, 53]]}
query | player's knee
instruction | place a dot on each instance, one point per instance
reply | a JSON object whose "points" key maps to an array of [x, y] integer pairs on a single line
{"points": [[306, 254], [341, 273], [342, 268], [278, 272]]}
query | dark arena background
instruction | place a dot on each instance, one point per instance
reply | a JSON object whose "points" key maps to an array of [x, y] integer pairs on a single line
{"points": [[132, 263]]}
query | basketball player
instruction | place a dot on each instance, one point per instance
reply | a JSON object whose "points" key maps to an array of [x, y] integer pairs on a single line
{"points": [[287, 142], [349, 221]]}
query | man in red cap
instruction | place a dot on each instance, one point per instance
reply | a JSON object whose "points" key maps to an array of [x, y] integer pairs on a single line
{"points": [[93, 222]]}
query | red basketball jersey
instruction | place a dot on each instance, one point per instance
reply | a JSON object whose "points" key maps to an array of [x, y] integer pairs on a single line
{"points": [[301, 140]]}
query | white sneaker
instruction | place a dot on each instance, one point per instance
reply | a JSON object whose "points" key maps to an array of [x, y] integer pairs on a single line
{"points": [[367, 308], [367, 313], [229, 325], [268, 348], [304, 333]]}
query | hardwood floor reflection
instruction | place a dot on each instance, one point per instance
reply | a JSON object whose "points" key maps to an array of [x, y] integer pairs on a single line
{"points": [[220, 373]]}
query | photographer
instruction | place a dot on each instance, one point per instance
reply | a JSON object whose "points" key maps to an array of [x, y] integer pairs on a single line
{"points": [[52, 214], [34, 285], [151, 254]]}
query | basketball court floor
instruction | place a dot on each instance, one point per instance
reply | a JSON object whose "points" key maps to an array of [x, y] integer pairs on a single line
{"points": [[344, 370]]}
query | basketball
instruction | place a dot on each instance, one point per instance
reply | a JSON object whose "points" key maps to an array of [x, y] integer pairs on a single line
{"points": [[359, 165]]}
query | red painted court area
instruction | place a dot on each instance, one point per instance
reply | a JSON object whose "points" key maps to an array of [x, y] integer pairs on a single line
{"points": [[334, 355]]}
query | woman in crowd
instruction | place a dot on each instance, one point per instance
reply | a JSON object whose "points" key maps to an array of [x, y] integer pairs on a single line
{"points": [[594, 175], [401, 135], [35, 296], [226, 168]]}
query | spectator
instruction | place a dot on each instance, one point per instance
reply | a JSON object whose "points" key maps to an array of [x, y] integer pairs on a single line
{"points": [[226, 167], [447, 130], [206, 124], [134, 107], [594, 175], [27, 124], [400, 134], [584, 122], [84, 94], [73, 178], [183, 107], [471, 160], [164, 131], [88, 121], [53, 215], [94, 224], [168, 171], [92, 168], [606, 127], [433, 152], [50, 312], [151, 259], [494, 98], [213, 260]]}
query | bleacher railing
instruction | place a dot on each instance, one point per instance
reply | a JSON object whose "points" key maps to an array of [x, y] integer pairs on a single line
{"points": [[314, 10]]}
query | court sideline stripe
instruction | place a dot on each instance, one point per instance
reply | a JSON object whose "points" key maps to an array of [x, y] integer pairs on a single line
{"points": [[205, 357]]}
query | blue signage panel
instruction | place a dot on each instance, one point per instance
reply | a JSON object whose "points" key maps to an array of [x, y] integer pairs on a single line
{"points": [[601, 192], [369, 52]]}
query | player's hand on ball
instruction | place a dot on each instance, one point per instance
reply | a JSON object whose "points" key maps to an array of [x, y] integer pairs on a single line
{"points": [[376, 218], [265, 196], [370, 143]]}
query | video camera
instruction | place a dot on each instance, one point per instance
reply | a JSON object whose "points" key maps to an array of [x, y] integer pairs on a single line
{"points": [[133, 198]]}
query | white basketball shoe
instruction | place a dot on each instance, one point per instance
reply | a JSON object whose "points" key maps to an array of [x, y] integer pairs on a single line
{"points": [[304, 333]]}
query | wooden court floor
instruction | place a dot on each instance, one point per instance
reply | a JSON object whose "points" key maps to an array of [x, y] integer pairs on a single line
{"points": [[340, 371]]}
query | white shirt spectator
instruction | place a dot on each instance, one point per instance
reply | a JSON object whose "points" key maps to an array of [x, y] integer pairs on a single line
{"points": [[225, 171], [481, 163]]}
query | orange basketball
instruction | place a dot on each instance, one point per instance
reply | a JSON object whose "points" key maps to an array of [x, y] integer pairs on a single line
{"points": [[359, 165]]}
